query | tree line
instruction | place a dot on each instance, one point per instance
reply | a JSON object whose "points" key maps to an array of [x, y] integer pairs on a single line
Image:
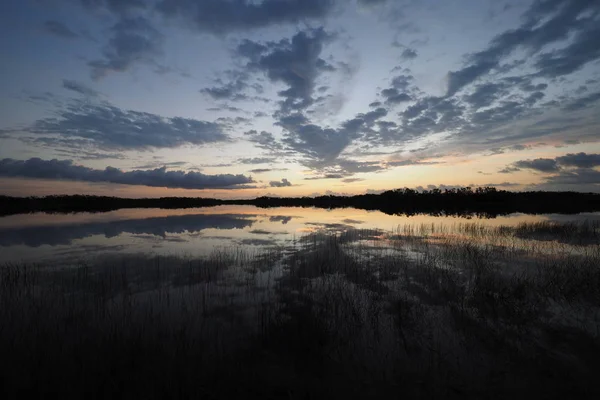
{"points": [[481, 202]]}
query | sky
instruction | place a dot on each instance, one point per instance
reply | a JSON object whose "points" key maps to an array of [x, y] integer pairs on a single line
{"points": [[247, 98]]}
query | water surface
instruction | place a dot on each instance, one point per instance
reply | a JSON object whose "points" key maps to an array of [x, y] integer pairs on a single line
{"points": [[196, 232]]}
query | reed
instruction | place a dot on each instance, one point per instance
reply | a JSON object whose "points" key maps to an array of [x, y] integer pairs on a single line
{"points": [[430, 311]]}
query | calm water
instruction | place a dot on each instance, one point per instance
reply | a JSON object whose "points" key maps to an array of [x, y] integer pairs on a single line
{"points": [[196, 232]]}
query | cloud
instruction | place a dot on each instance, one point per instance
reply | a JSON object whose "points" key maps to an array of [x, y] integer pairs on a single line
{"points": [[326, 176], [134, 40], [560, 19], [263, 140], [80, 88], [159, 177], [322, 146], [485, 94], [255, 160], [232, 90], [108, 126], [558, 164], [222, 17], [260, 170], [159, 164], [296, 63], [583, 49], [509, 170], [500, 184], [580, 160], [539, 164], [409, 54], [59, 29], [351, 180], [116, 6], [283, 183], [317, 143], [575, 177], [372, 2], [404, 163], [399, 90], [583, 102], [528, 87], [393, 96]]}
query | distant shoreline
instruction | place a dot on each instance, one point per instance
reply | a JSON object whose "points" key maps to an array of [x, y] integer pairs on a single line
{"points": [[484, 202]]}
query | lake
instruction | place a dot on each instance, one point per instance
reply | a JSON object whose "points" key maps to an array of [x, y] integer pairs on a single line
{"points": [[81, 237], [235, 300]]}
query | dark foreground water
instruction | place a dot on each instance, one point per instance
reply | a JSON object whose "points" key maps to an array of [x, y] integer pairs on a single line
{"points": [[298, 303]]}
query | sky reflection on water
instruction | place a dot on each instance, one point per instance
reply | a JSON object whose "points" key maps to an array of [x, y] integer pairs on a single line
{"points": [[196, 232]]}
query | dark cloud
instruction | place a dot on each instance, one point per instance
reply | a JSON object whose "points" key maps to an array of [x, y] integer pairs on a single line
{"points": [[505, 112], [351, 180], [509, 170], [59, 29], [583, 49], [159, 164], [583, 102], [111, 127], [409, 54], [529, 87], [399, 90], [580, 160], [264, 140], [534, 98], [370, 117], [326, 176], [295, 63], [222, 17], [134, 40], [352, 166], [322, 146], [284, 219], [427, 115], [319, 143], [283, 183], [576, 177], [80, 88], [560, 19], [265, 232], [404, 163], [260, 170], [393, 96], [372, 2], [160, 177], [233, 90], [539, 164], [458, 79], [79, 149], [500, 184], [116, 6], [485, 94], [255, 160], [343, 167], [230, 91], [257, 242]]}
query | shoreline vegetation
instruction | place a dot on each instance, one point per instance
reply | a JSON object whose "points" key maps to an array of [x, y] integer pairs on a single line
{"points": [[482, 202], [423, 311]]}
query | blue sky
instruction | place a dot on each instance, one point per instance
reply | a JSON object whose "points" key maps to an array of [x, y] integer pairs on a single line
{"points": [[240, 98]]}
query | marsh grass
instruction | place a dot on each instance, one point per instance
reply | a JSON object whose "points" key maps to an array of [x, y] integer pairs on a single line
{"points": [[466, 311]]}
